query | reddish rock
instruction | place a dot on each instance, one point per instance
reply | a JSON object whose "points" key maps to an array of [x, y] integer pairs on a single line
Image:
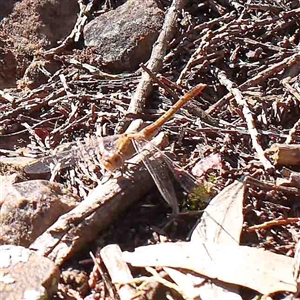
{"points": [[26, 275], [29, 208], [27, 27], [35, 23]]}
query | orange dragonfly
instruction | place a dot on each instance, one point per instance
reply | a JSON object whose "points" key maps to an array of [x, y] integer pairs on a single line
{"points": [[114, 160], [115, 150]]}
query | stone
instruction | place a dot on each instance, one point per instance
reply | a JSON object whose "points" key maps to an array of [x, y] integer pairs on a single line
{"points": [[27, 28], [26, 275], [123, 38], [39, 23], [29, 208]]}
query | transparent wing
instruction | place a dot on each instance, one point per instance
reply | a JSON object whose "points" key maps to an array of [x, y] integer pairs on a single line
{"points": [[186, 180], [154, 162], [71, 153]]}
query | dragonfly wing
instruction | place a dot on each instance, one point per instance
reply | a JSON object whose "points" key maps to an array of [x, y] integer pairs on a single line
{"points": [[155, 165], [186, 180], [69, 154]]}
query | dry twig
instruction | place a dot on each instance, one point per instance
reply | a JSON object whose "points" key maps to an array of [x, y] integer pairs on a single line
{"points": [[156, 60], [247, 114], [277, 222], [261, 76]]}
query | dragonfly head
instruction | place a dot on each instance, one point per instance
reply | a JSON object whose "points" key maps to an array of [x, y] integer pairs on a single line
{"points": [[112, 162]]}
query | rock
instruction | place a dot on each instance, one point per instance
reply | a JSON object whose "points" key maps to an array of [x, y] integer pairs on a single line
{"points": [[8, 64], [6, 181], [26, 28], [29, 208], [39, 23], [26, 275], [123, 37]]}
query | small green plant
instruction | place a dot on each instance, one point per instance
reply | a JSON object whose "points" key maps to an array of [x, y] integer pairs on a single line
{"points": [[201, 195]]}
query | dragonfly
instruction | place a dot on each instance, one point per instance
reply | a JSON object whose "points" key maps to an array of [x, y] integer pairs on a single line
{"points": [[117, 149]]}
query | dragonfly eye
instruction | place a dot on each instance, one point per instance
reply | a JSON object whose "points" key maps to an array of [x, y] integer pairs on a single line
{"points": [[107, 164], [112, 163]]}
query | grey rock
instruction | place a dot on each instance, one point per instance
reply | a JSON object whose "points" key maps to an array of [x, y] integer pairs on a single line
{"points": [[123, 38]]}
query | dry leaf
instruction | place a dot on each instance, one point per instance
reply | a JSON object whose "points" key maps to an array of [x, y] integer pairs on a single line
{"points": [[214, 252], [222, 220], [257, 269], [221, 223]]}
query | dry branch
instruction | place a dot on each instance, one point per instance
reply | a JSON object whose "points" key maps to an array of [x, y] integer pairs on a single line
{"points": [[82, 224], [156, 60]]}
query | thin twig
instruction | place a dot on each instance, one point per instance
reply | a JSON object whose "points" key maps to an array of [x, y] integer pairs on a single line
{"points": [[159, 82], [276, 222], [75, 33], [231, 87], [261, 76], [104, 277]]}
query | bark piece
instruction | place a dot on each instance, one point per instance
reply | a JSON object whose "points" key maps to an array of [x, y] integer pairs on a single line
{"points": [[285, 154]]}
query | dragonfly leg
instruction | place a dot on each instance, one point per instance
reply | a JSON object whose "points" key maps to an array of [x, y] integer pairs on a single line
{"points": [[127, 168], [107, 176]]}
